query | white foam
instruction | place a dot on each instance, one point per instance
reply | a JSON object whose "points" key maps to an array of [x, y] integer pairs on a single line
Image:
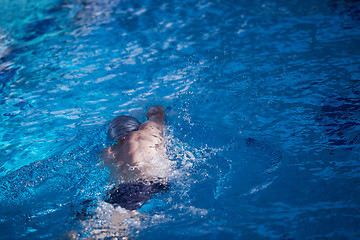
{"points": [[109, 221]]}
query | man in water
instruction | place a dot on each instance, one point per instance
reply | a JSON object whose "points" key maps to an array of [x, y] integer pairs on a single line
{"points": [[139, 168], [137, 161]]}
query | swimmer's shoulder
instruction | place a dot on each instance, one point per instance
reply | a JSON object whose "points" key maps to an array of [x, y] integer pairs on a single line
{"points": [[152, 125]]}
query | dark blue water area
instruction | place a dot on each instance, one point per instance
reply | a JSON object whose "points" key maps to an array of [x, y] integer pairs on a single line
{"points": [[262, 110]]}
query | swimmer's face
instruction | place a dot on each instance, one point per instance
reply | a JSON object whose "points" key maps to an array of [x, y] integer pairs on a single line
{"points": [[155, 110]]}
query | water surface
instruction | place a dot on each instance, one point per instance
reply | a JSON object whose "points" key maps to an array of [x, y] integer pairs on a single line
{"points": [[262, 103]]}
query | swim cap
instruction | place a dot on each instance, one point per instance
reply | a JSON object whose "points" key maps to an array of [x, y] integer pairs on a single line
{"points": [[122, 125]]}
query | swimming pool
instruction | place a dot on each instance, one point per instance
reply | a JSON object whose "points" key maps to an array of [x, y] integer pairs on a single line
{"points": [[262, 103]]}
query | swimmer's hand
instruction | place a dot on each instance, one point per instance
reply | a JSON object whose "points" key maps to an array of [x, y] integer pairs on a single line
{"points": [[155, 112]]}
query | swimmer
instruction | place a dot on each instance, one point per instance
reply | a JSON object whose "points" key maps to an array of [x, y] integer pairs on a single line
{"points": [[140, 169], [138, 160]]}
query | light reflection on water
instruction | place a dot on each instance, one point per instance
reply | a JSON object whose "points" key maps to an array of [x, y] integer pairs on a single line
{"points": [[262, 104]]}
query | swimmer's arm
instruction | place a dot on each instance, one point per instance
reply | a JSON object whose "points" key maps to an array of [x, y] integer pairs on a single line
{"points": [[151, 124], [155, 114]]}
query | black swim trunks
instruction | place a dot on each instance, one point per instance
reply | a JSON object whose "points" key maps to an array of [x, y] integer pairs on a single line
{"points": [[133, 195]]}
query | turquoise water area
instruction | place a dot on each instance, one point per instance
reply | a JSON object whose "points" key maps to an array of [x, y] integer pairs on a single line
{"points": [[262, 102]]}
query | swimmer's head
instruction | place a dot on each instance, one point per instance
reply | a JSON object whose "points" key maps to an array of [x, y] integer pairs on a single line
{"points": [[122, 125], [155, 111]]}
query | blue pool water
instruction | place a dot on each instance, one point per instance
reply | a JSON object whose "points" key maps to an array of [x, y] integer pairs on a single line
{"points": [[263, 114]]}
